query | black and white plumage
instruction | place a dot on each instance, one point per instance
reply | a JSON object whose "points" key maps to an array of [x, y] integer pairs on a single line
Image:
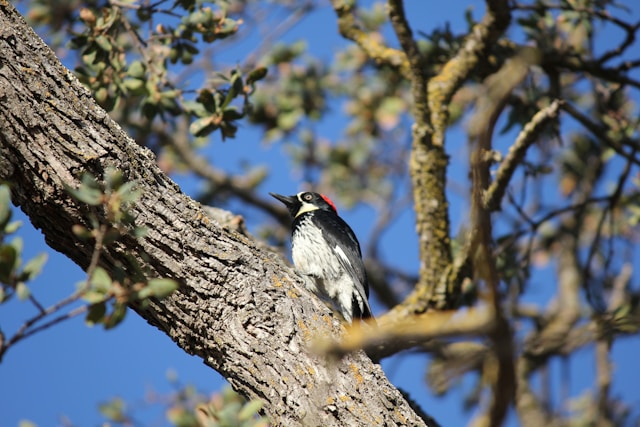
{"points": [[326, 252]]}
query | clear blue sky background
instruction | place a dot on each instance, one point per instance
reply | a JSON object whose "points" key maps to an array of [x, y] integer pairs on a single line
{"points": [[63, 373]]}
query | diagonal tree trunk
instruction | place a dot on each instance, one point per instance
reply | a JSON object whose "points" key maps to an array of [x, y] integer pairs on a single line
{"points": [[239, 307]]}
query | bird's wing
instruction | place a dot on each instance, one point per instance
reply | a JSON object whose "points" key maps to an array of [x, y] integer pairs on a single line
{"points": [[347, 249]]}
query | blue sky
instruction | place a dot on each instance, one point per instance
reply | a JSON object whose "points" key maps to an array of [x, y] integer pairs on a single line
{"points": [[68, 370]]}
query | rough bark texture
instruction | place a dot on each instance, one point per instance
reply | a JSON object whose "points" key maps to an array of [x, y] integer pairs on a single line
{"points": [[429, 161], [239, 307]]}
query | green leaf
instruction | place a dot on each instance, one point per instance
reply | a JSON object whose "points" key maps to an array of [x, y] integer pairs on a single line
{"points": [[81, 231], [139, 232], [235, 89], [89, 181], [101, 281], [250, 409], [171, 94], [162, 287], [22, 291], [228, 130], [237, 83], [113, 178], [114, 410], [137, 86], [110, 236], [202, 127], [5, 209], [232, 113], [90, 196], [257, 74], [149, 109], [181, 417], [186, 57], [128, 193], [12, 227], [197, 17], [226, 28], [174, 54], [116, 316], [288, 120], [8, 258], [104, 43], [145, 293], [207, 100], [169, 103], [194, 107], [93, 297], [17, 244], [34, 267], [137, 70], [191, 48], [102, 94], [96, 313]]}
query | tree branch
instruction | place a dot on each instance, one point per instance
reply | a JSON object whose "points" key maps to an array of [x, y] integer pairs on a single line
{"points": [[391, 337], [369, 43], [428, 161], [417, 66], [455, 72], [527, 136], [239, 307], [600, 131], [499, 369]]}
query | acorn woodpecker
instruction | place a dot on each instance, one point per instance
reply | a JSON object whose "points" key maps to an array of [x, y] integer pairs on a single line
{"points": [[327, 253]]}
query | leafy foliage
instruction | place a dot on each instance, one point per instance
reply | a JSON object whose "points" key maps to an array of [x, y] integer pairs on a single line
{"points": [[14, 276], [125, 57], [186, 407], [106, 297], [115, 195]]}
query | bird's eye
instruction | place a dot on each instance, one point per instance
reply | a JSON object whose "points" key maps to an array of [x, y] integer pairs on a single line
{"points": [[307, 196]]}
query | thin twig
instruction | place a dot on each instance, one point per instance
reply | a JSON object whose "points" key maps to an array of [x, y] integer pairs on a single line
{"points": [[294, 16], [528, 136], [596, 303], [35, 302], [73, 313], [24, 331], [629, 29], [27, 329], [241, 188], [599, 131], [535, 225]]}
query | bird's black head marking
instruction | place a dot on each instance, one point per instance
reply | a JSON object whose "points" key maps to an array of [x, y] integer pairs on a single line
{"points": [[306, 201]]}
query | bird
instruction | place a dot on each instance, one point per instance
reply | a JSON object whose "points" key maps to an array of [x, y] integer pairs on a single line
{"points": [[327, 254]]}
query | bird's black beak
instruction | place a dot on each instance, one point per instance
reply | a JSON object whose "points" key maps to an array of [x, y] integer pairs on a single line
{"points": [[291, 202], [287, 200]]}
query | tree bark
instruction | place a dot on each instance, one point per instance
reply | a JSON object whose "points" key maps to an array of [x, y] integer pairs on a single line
{"points": [[239, 307]]}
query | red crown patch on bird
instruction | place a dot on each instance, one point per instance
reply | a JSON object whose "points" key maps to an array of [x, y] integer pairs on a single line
{"points": [[328, 200]]}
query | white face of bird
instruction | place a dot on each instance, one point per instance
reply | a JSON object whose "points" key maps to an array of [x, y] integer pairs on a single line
{"points": [[306, 203], [313, 201]]}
